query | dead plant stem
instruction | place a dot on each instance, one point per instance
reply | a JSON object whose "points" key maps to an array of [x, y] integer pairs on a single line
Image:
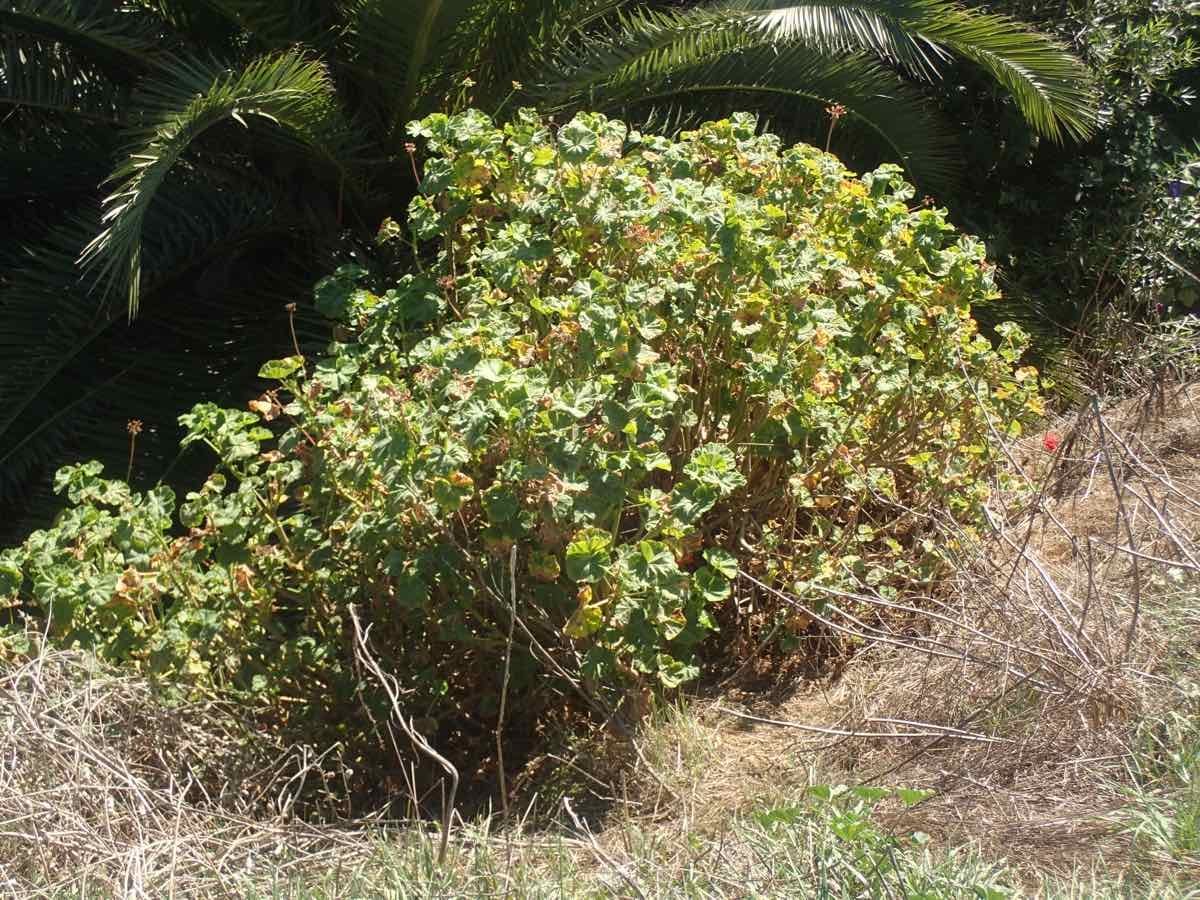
{"points": [[512, 625]]}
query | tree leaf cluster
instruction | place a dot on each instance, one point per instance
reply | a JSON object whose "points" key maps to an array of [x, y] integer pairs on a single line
{"points": [[636, 377]]}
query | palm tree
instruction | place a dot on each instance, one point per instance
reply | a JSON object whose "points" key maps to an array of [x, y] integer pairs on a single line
{"points": [[174, 173]]}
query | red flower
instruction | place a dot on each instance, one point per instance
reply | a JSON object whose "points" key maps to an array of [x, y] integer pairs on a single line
{"points": [[1050, 441]]}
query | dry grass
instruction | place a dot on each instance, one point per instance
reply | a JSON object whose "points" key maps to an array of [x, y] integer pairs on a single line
{"points": [[1082, 590], [1013, 690], [105, 789]]}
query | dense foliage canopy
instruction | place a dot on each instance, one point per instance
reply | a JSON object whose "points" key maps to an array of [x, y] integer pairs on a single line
{"points": [[1100, 240], [244, 147], [640, 388]]}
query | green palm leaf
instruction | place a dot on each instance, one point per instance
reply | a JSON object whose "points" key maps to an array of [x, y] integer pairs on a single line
{"points": [[38, 76], [286, 90], [840, 27], [272, 24], [401, 45], [1051, 87], [507, 42], [59, 163], [640, 45], [119, 42], [662, 60], [81, 372], [757, 45]]}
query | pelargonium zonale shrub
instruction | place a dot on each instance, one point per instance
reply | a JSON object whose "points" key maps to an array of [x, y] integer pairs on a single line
{"points": [[638, 368]]}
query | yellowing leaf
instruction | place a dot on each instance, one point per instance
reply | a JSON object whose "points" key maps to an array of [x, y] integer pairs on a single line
{"points": [[264, 407], [587, 619], [280, 368]]}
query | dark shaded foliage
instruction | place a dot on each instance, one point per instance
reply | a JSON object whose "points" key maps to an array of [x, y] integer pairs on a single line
{"points": [[200, 164], [1110, 228]]}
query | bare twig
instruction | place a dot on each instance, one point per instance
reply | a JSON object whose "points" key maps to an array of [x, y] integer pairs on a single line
{"points": [[392, 687], [1124, 517], [512, 624], [928, 730], [98, 793], [596, 849]]}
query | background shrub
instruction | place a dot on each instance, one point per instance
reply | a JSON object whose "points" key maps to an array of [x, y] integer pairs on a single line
{"points": [[623, 371], [174, 173], [1106, 232]]}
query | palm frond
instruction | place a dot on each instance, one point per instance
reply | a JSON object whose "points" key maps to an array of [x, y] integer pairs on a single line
{"points": [[36, 75], [204, 22], [45, 167], [35, 345], [121, 43], [1053, 89], [287, 90], [213, 317], [840, 27], [203, 351], [271, 24], [512, 42], [643, 44], [400, 41], [656, 60]]}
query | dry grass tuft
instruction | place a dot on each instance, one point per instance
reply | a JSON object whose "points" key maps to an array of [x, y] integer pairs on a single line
{"points": [[105, 791], [1014, 688]]}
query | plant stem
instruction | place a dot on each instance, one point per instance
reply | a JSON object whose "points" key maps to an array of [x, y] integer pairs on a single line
{"points": [[512, 624], [129, 468], [291, 311]]}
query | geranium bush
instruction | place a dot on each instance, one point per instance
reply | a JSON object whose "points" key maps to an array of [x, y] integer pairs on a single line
{"points": [[622, 371]]}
